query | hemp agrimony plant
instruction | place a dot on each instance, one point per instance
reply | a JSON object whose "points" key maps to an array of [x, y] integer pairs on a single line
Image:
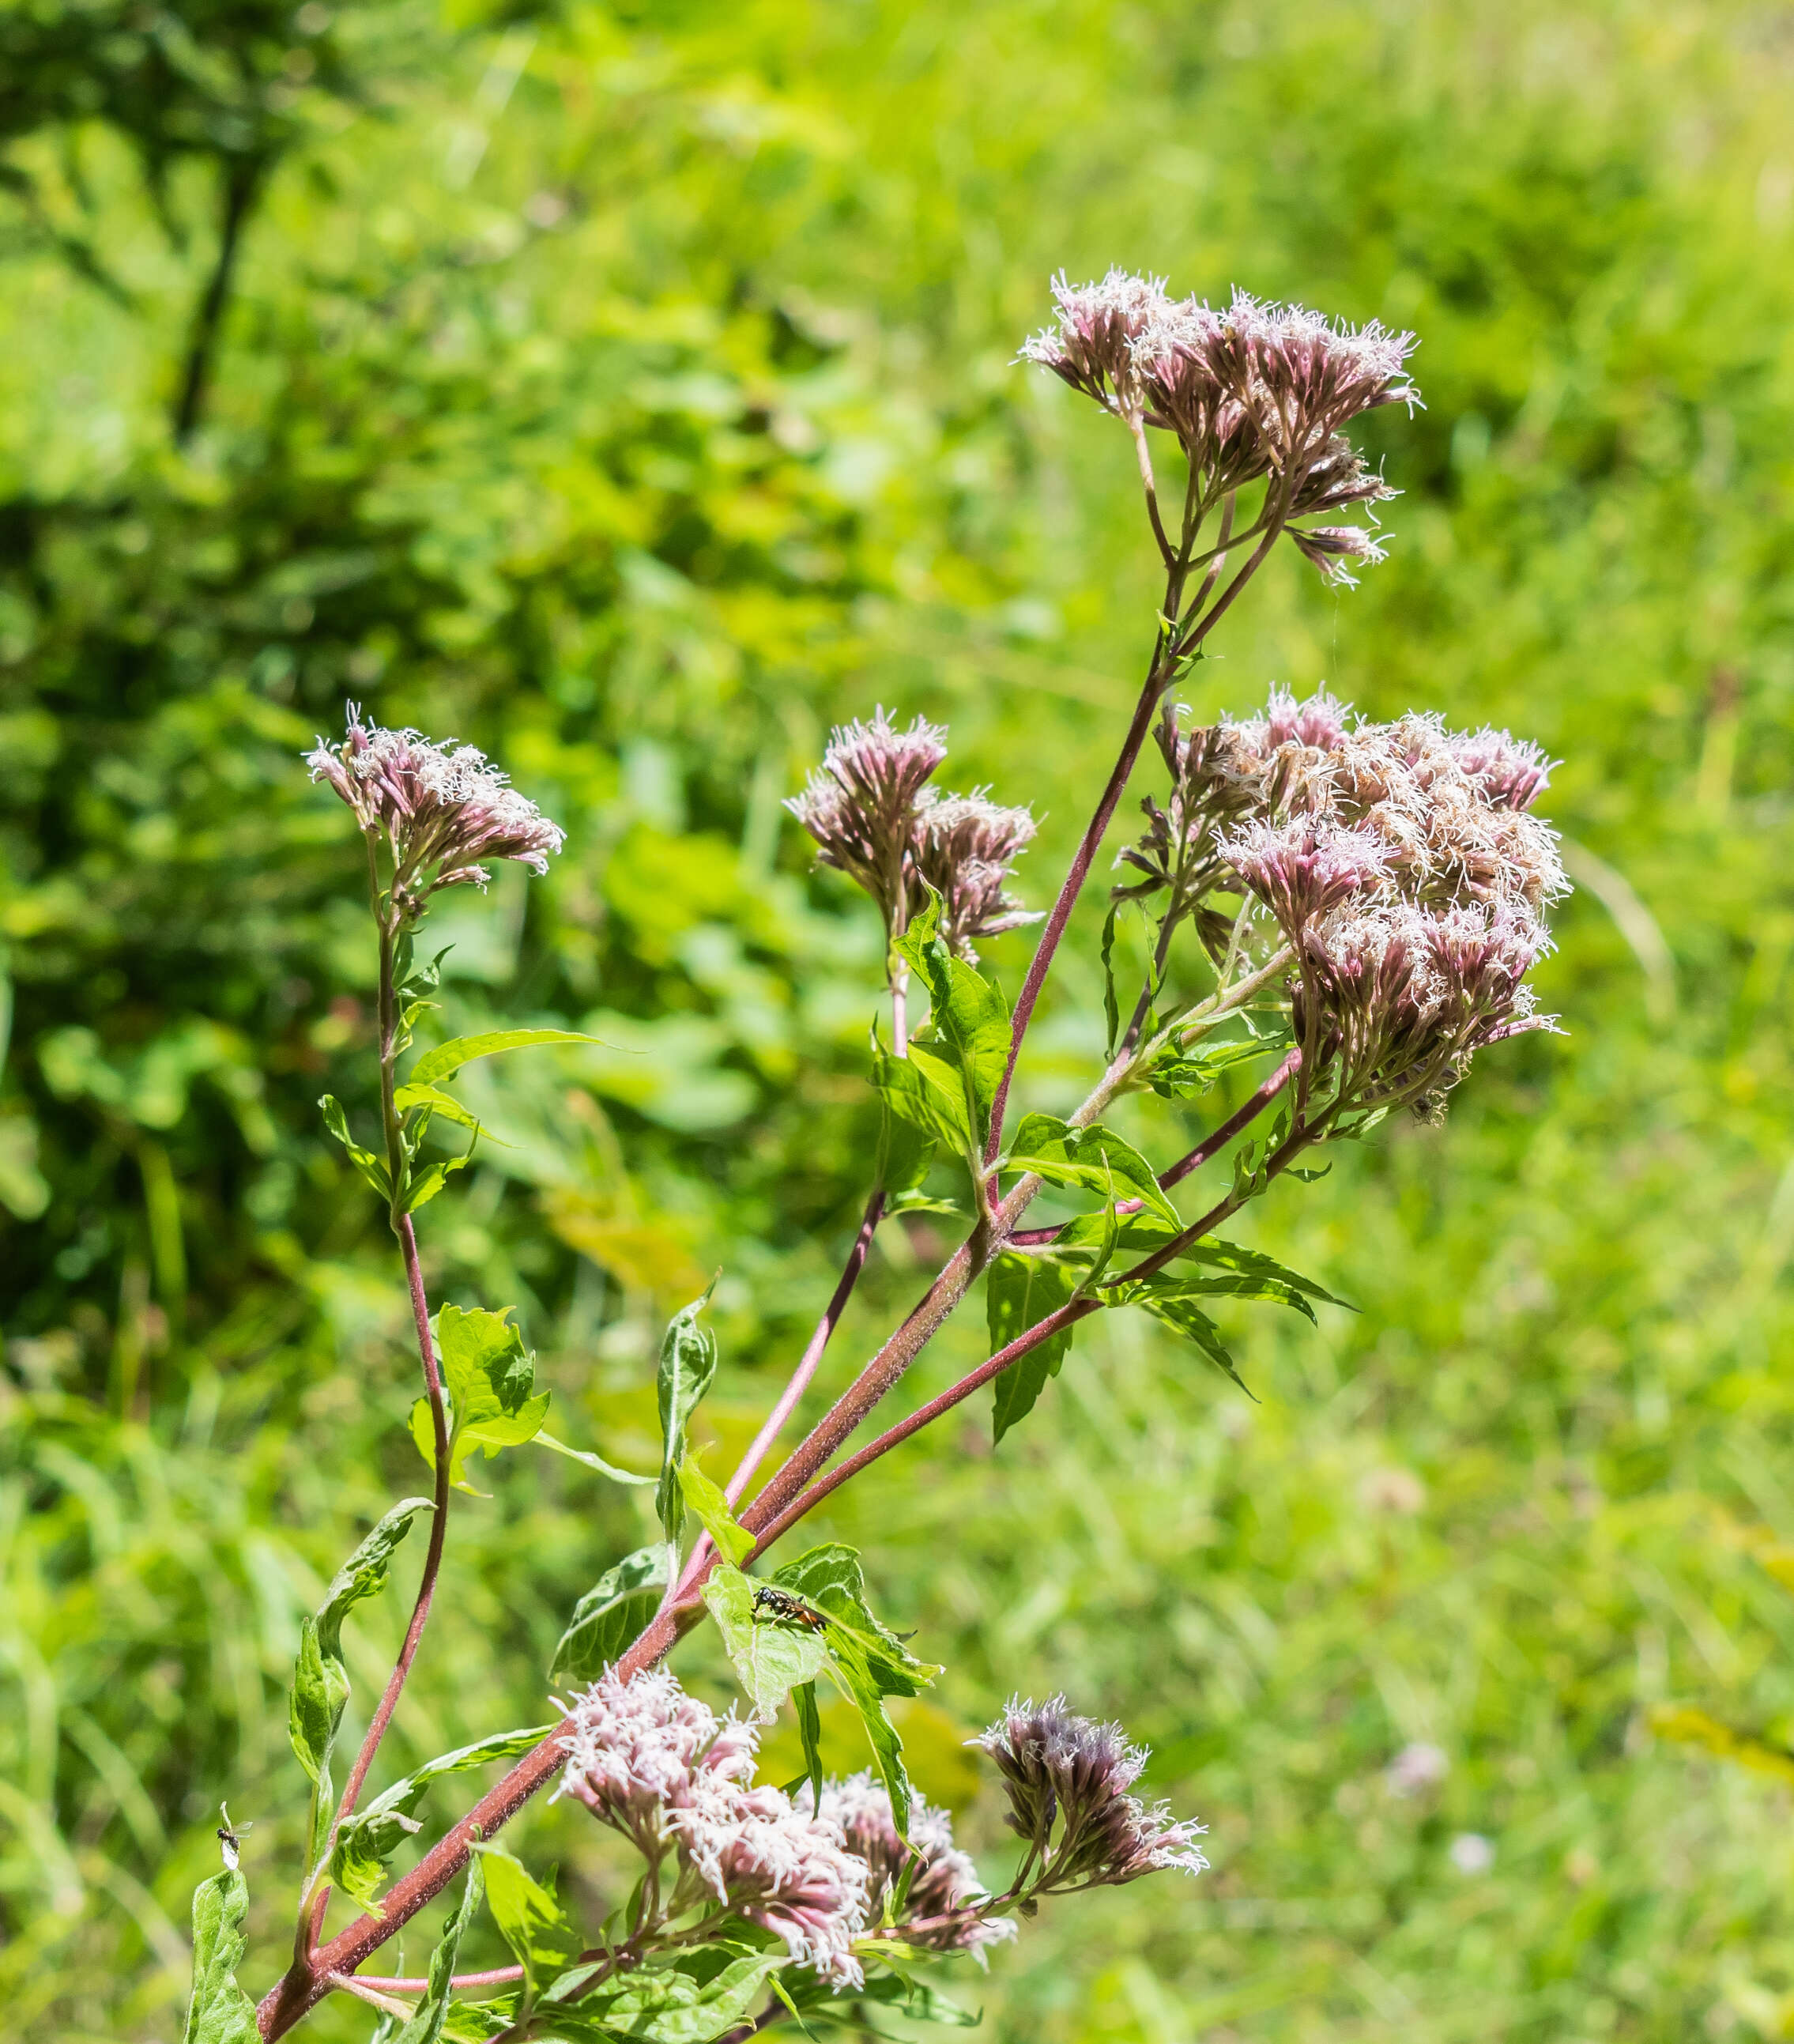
{"points": [[1353, 907]]}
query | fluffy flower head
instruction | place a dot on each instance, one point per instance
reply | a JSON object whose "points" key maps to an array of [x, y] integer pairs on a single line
{"points": [[1068, 1779], [942, 1910], [442, 807]]}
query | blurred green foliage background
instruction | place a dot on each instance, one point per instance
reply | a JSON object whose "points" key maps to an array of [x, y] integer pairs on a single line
{"points": [[629, 390]]}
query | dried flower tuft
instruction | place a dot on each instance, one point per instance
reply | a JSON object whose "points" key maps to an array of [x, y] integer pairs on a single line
{"points": [[1068, 1779], [442, 807]]}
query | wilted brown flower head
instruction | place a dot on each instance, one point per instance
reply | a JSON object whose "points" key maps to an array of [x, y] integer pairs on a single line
{"points": [[442, 807], [1068, 1779], [942, 1908]]}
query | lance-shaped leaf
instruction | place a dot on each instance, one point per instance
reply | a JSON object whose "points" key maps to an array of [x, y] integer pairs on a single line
{"points": [[922, 1094], [545, 1439], [968, 1029], [425, 2025], [369, 1839], [365, 1573], [1088, 1158], [711, 1509], [447, 1059], [688, 1362], [372, 1168], [1249, 1273], [609, 1616], [1020, 1292], [867, 1660], [1167, 1299], [809, 1734], [1186, 1075], [315, 1703], [220, 2012], [906, 1151], [530, 1919], [770, 1658]]}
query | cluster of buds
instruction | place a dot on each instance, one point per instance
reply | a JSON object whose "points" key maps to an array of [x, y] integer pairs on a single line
{"points": [[944, 1905], [1252, 391], [441, 808], [1401, 863], [1069, 1781], [874, 817]]}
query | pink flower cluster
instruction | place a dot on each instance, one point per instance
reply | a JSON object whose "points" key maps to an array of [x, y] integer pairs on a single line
{"points": [[442, 808], [1401, 863], [874, 818], [944, 1903], [662, 1768], [1252, 391]]}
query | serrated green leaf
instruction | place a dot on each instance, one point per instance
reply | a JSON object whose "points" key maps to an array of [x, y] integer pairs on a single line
{"points": [[607, 1619], [711, 1509], [489, 1377], [219, 2012], [968, 1023], [1186, 1075], [1087, 1158], [421, 1187], [906, 1147], [530, 1919], [1019, 1292], [1232, 1257], [597, 1462], [363, 1845], [448, 1058], [924, 1092], [661, 2004], [770, 1659], [688, 1362], [315, 1703], [867, 1660], [364, 1574], [1173, 1305], [425, 2025]]}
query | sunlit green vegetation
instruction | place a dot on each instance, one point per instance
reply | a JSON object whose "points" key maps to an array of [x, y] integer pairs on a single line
{"points": [[630, 392]]}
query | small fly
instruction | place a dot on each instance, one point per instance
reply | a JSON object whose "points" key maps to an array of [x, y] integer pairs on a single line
{"points": [[230, 1837], [787, 1608]]}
